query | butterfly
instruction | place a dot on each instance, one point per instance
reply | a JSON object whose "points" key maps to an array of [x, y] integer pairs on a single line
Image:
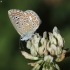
{"points": [[25, 23]]}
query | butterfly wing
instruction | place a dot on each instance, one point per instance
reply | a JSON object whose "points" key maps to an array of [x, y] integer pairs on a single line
{"points": [[26, 22], [33, 19], [16, 17]]}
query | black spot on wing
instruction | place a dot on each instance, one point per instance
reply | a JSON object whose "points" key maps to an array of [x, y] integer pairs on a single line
{"points": [[15, 17], [17, 22]]}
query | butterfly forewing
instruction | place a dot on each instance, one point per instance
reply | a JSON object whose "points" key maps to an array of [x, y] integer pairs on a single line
{"points": [[15, 17]]}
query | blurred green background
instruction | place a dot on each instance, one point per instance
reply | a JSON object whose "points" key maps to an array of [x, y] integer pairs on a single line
{"points": [[52, 13]]}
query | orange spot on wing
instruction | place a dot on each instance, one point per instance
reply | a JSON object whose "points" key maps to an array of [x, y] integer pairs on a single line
{"points": [[36, 22], [34, 18], [25, 15], [16, 13], [31, 15]]}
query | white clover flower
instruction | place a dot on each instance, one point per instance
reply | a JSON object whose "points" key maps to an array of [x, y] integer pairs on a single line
{"points": [[47, 51], [43, 41], [35, 41], [52, 39], [28, 45], [45, 35], [33, 51], [52, 49], [48, 58], [28, 56], [41, 50], [61, 56], [58, 51], [58, 36]]}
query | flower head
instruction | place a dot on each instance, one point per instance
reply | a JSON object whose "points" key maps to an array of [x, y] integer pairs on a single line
{"points": [[46, 50]]}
